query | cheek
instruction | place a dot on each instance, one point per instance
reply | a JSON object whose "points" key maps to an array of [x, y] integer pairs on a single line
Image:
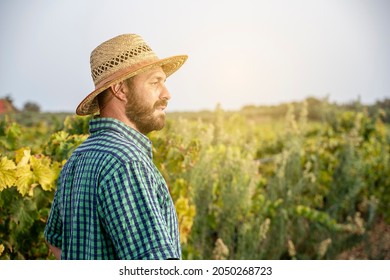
{"points": [[155, 93], [148, 96], [152, 96]]}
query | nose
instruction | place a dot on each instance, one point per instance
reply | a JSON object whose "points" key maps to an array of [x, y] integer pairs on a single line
{"points": [[165, 95]]}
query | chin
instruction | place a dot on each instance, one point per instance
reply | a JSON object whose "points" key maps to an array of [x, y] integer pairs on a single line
{"points": [[160, 124], [156, 124]]}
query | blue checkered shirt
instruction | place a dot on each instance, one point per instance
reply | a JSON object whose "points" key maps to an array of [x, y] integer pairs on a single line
{"points": [[111, 201]]}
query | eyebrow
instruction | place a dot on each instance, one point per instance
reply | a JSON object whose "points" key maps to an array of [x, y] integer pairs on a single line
{"points": [[157, 75]]}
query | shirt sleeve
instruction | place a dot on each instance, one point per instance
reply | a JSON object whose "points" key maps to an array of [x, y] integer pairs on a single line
{"points": [[132, 216], [53, 229]]}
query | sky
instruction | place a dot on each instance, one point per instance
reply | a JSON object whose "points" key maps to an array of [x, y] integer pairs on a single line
{"points": [[246, 52]]}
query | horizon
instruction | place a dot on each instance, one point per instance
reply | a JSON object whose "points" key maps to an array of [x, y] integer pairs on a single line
{"points": [[218, 105]]}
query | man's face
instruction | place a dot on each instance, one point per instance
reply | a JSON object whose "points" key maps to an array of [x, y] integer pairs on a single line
{"points": [[146, 100]]}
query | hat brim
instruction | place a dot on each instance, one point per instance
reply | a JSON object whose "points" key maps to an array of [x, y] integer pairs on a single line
{"points": [[169, 65]]}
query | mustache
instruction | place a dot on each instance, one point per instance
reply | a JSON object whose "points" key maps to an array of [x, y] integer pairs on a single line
{"points": [[161, 103]]}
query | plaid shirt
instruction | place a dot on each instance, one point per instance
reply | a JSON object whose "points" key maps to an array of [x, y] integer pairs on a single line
{"points": [[111, 201]]}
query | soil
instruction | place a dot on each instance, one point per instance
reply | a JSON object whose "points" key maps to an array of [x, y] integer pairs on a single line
{"points": [[376, 246]]}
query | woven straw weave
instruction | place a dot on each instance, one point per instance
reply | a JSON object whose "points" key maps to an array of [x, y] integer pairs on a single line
{"points": [[113, 55]]}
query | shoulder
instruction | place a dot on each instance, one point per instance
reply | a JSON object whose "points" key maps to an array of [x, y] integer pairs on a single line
{"points": [[111, 146]]}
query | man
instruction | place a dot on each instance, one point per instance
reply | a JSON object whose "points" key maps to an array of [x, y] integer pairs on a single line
{"points": [[111, 201]]}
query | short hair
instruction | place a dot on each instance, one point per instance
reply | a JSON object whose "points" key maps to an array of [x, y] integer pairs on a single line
{"points": [[103, 97]]}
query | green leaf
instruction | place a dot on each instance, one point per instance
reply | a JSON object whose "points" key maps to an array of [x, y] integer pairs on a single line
{"points": [[24, 213]]}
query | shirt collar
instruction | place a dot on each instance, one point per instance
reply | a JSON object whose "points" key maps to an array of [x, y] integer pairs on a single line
{"points": [[99, 124]]}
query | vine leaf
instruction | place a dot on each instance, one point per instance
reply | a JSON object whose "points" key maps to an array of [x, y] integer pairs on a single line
{"points": [[35, 170], [24, 179], [44, 175], [7, 173]]}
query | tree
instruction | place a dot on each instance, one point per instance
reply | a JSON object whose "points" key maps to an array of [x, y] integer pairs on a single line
{"points": [[31, 107]]}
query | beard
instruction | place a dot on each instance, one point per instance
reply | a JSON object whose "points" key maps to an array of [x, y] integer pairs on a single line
{"points": [[143, 115]]}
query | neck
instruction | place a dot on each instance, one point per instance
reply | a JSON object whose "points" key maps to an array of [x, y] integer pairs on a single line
{"points": [[116, 111]]}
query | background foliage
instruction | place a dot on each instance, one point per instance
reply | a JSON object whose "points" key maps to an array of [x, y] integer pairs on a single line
{"points": [[306, 180]]}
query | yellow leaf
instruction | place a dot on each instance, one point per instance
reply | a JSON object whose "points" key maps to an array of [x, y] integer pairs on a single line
{"points": [[186, 214], [1, 249], [24, 179], [31, 191], [7, 173], [181, 205], [42, 171], [22, 156], [56, 168]]}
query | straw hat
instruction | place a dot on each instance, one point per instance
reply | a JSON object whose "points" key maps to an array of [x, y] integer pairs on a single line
{"points": [[120, 58]]}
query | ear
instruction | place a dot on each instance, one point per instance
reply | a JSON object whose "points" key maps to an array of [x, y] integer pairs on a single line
{"points": [[118, 91]]}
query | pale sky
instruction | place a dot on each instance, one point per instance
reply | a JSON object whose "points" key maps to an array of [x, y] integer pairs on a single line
{"points": [[246, 52]]}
